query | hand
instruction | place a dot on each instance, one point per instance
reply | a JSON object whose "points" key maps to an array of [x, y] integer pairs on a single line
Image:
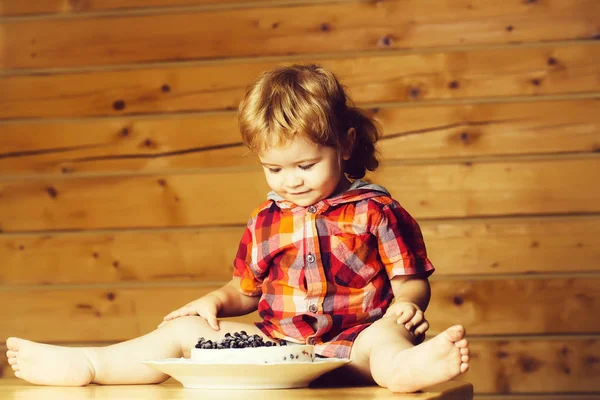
{"points": [[409, 315], [207, 307]]}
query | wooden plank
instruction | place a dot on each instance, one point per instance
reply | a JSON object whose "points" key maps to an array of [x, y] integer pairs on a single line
{"points": [[19, 7], [289, 29], [426, 191], [410, 133], [534, 365], [593, 396], [484, 307], [172, 390], [517, 306], [514, 366], [457, 248], [444, 75]]}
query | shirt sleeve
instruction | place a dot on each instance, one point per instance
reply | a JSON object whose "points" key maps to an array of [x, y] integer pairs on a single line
{"points": [[400, 242], [245, 265]]}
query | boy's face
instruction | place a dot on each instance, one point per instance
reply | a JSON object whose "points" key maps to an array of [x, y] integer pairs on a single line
{"points": [[303, 172]]}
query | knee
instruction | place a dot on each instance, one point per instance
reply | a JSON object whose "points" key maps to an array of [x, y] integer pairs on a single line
{"points": [[387, 329]]}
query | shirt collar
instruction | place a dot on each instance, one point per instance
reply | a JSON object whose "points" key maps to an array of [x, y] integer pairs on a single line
{"points": [[358, 190]]}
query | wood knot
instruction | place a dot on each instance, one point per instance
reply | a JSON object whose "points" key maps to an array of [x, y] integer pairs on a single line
{"points": [[552, 61], [454, 85], [414, 92], [458, 300], [21, 247], [162, 182], [116, 264], [536, 82], [325, 27], [502, 354], [124, 132], [534, 244], [165, 88], [66, 170], [386, 41], [119, 105], [95, 255], [51, 192], [591, 360], [529, 364], [275, 25], [110, 296], [509, 28]]}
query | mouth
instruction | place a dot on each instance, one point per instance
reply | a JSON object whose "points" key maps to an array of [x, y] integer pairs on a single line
{"points": [[299, 193]]}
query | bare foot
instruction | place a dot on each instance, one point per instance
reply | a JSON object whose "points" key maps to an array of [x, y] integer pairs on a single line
{"points": [[43, 364], [434, 361]]}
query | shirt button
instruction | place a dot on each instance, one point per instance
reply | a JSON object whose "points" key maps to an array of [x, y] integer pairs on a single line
{"points": [[312, 341], [313, 308], [312, 209], [310, 258]]}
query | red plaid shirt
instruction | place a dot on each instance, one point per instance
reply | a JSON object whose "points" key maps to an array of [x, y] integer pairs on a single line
{"points": [[323, 272]]}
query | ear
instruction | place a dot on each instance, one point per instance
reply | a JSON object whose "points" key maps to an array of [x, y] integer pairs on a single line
{"points": [[348, 144]]}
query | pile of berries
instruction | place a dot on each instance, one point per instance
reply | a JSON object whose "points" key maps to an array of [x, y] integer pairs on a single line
{"points": [[239, 340]]}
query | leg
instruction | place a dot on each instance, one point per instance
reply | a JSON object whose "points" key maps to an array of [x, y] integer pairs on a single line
{"points": [[116, 364], [385, 354]]}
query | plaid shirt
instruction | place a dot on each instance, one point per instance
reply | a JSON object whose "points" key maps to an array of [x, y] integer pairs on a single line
{"points": [[328, 266]]}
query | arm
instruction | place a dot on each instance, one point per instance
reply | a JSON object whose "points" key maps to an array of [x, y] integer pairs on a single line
{"points": [[413, 289], [411, 297], [231, 302], [226, 301]]}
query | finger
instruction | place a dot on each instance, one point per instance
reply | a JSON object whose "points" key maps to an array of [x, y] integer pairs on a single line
{"points": [[213, 322], [406, 316], [415, 320], [182, 312], [422, 328]]}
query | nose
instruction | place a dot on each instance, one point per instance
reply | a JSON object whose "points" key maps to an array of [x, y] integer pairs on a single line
{"points": [[293, 180]]}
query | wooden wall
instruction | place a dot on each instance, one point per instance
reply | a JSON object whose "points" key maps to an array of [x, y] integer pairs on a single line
{"points": [[124, 187]]}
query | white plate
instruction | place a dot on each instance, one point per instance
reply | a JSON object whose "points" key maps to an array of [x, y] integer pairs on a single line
{"points": [[245, 376]]}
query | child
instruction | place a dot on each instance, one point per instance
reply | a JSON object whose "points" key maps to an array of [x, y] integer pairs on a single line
{"points": [[328, 259]]}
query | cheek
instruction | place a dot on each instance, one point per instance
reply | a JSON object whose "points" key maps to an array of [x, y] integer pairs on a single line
{"points": [[271, 180]]}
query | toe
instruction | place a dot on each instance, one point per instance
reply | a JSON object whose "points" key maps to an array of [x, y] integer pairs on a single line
{"points": [[13, 343], [463, 343], [456, 332], [15, 367], [18, 374], [10, 353], [12, 361], [464, 359], [464, 367], [464, 351]]}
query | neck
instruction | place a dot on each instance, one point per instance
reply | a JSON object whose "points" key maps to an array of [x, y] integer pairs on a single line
{"points": [[342, 186]]}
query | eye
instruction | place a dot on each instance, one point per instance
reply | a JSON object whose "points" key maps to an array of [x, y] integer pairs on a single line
{"points": [[306, 167], [274, 170]]}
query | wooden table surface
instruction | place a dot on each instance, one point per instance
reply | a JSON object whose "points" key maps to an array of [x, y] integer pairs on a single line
{"points": [[11, 388]]}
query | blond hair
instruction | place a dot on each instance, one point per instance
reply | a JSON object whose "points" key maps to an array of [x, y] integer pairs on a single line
{"points": [[306, 100]]}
